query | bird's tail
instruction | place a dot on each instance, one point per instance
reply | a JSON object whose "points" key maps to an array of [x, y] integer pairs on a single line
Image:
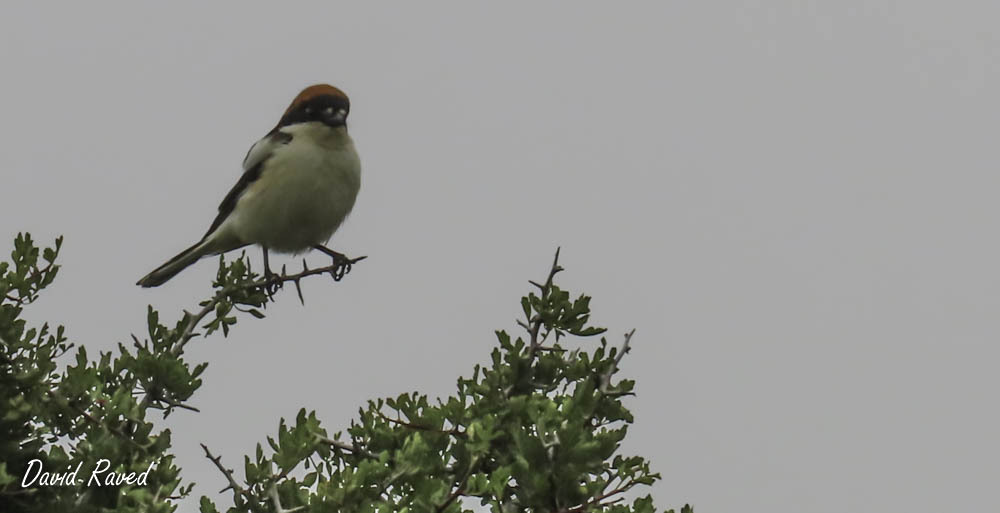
{"points": [[161, 274]]}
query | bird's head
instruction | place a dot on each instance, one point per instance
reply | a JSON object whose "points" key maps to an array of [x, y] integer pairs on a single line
{"points": [[320, 103]]}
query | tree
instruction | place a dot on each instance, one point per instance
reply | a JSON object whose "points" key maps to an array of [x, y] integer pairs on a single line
{"points": [[538, 429]]}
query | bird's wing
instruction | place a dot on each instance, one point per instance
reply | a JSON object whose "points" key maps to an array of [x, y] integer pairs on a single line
{"points": [[253, 164]]}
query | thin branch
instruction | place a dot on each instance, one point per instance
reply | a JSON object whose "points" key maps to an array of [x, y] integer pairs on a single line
{"points": [[336, 270], [273, 493], [192, 321], [59, 351], [596, 501], [454, 432], [356, 449], [240, 495], [37, 273], [454, 495], [536, 322], [94, 420], [178, 404], [460, 489], [154, 395], [606, 378]]}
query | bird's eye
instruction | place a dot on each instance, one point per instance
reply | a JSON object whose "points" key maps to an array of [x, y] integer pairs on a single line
{"points": [[328, 111], [309, 110]]}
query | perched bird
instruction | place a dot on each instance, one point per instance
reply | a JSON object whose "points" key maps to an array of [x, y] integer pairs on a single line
{"points": [[299, 183]]}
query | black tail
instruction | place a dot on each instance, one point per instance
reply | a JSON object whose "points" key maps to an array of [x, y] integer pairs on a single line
{"points": [[173, 266]]}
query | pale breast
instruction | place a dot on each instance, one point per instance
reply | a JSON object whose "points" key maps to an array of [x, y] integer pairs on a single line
{"points": [[306, 190]]}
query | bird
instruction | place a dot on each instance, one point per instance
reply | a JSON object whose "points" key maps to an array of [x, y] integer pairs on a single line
{"points": [[299, 184]]}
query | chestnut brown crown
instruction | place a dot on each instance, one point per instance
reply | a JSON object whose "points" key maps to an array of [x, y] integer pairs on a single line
{"points": [[318, 103]]}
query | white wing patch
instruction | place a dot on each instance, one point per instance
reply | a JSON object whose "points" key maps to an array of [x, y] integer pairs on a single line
{"points": [[263, 149]]}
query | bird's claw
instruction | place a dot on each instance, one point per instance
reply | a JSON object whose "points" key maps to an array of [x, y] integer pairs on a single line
{"points": [[341, 266], [272, 283]]}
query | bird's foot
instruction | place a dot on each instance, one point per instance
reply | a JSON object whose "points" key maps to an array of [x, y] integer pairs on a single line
{"points": [[341, 263], [272, 283]]}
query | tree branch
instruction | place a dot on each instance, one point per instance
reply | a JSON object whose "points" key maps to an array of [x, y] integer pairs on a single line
{"points": [[596, 501], [536, 322], [606, 378], [94, 420], [273, 493], [178, 404], [336, 270], [357, 449], [454, 432], [460, 489], [240, 495]]}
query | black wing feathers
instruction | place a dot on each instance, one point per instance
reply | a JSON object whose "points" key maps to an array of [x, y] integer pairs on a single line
{"points": [[229, 202], [249, 176]]}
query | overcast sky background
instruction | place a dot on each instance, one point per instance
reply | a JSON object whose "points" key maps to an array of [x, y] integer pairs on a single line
{"points": [[794, 202]]}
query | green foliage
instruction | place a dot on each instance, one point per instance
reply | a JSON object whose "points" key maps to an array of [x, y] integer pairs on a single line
{"points": [[71, 419], [538, 428], [75, 417]]}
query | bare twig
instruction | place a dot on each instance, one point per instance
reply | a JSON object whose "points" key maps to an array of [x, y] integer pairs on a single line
{"points": [[240, 495], [536, 321], [336, 270], [357, 449], [192, 322], [534, 324], [178, 404], [154, 395], [606, 378]]}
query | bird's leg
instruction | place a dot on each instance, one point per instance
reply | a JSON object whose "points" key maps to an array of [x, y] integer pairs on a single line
{"points": [[342, 264], [271, 283], [338, 258], [267, 266]]}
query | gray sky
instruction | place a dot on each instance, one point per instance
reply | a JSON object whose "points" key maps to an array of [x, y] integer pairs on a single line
{"points": [[793, 202]]}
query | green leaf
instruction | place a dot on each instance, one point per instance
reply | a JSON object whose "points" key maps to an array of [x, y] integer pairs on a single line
{"points": [[207, 506]]}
